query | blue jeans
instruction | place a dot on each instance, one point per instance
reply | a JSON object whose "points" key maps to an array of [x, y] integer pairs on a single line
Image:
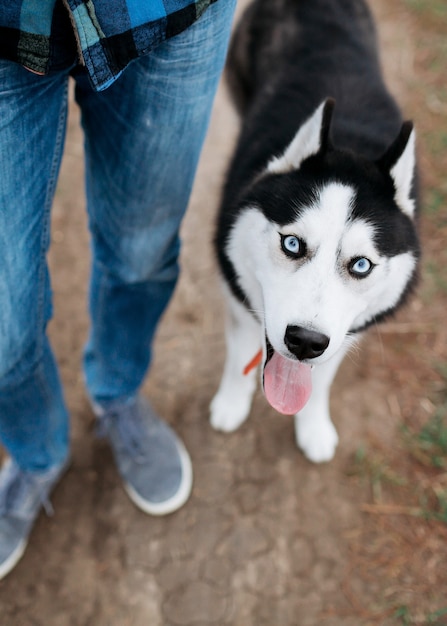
{"points": [[143, 137]]}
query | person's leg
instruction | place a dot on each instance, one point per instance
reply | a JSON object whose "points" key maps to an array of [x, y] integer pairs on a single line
{"points": [[143, 140], [33, 417]]}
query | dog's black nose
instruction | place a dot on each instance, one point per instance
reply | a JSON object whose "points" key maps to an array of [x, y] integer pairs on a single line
{"points": [[305, 343]]}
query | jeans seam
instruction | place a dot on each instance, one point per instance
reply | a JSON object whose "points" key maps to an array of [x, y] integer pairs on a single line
{"points": [[46, 229]]}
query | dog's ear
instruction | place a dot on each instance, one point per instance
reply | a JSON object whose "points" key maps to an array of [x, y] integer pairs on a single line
{"points": [[312, 137], [400, 161]]}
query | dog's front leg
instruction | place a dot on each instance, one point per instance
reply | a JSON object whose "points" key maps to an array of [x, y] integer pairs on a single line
{"points": [[314, 431], [231, 404]]}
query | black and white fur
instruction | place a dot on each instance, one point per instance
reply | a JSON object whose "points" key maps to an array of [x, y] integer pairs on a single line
{"points": [[316, 229]]}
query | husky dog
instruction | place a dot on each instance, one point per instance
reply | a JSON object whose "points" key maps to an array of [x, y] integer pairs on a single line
{"points": [[316, 236]]}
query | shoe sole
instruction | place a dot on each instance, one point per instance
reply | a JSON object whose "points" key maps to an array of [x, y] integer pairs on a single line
{"points": [[13, 559]]}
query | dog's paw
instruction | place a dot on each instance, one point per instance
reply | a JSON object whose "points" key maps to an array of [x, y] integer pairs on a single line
{"points": [[227, 415], [317, 439]]}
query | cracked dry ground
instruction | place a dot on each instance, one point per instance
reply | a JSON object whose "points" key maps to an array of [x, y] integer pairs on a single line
{"points": [[267, 538]]}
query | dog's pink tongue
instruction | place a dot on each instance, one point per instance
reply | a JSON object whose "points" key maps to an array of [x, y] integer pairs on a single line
{"points": [[287, 384]]}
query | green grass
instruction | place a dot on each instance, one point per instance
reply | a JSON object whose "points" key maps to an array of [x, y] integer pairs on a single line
{"points": [[441, 368], [425, 498], [436, 205], [432, 618], [403, 614], [431, 8], [432, 438], [371, 468], [429, 446], [435, 281], [436, 141]]}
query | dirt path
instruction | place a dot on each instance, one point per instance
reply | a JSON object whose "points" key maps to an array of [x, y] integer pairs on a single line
{"points": [[267, 539]]}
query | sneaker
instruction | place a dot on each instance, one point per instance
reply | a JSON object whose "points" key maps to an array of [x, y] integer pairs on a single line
{"points": [[22, 495], [151, 459]]}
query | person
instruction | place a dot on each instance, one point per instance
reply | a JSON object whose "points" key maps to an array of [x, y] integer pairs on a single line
{"points": [[145, 72]]}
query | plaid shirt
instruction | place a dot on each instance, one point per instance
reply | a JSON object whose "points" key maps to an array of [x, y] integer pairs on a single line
{"points": [[105, 35]]}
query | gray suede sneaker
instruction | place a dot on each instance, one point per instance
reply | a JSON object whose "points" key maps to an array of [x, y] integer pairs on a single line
{"points": [[151, 459], [22, 495]]}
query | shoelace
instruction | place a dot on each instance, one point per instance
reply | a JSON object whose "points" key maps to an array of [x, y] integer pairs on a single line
{"points": [[19, 481], [129, 424]]}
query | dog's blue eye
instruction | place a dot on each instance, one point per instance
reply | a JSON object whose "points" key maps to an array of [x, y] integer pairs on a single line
{"points": [[360, 267], [292, 246]]}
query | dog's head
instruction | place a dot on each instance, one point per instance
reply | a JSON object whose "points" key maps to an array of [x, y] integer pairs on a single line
{"points": [[325, 246]]}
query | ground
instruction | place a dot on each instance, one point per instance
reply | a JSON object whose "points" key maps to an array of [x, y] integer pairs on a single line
{"points": [[267, 538]]}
